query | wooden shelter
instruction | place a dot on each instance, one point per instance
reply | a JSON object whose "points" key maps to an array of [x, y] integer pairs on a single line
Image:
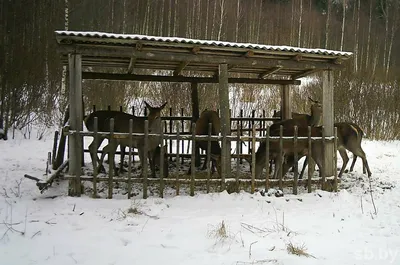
{"points": [[118, 56]]}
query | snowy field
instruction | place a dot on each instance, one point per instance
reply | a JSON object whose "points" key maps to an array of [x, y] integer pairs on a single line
{"points": [[327, 228]]}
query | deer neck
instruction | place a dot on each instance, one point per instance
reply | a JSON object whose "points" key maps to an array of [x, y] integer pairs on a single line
{"points": [[315, 117]]}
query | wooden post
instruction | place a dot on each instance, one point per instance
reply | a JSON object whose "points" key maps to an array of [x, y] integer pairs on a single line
{"points": [[144, 162], [267, 158], [192, 161], [177, 160], [296, 174], [225, 122], [161, 167], [111, 157], [195, 116], [75, 114], [208, 158], [130, 159], [95, 166], [328, 121], [286, 103], [253, 160]]}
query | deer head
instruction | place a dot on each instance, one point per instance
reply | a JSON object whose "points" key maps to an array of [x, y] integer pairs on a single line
{"points": [[154, 112]]}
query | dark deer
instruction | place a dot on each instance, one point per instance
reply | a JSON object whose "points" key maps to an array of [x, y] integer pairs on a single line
{"points": [[288, 148], [202, 127], [349, 138], [299, 120], [121, 125]]}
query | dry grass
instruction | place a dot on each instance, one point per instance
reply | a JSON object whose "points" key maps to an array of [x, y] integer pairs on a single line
{"points": [[219, 232], [298, 250]]}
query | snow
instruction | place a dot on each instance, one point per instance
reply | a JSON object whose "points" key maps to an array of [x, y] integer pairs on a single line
{"points": [[334, 227]]}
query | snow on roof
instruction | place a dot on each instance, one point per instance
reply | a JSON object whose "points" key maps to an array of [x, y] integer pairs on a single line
{"points": [[103, 35]]}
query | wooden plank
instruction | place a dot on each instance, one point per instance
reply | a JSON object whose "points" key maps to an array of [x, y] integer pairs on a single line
{"points": [[286, 102], [131, 66], [328, 120], [75, 145], [309, 160], [161, 167], [130, 159], [208, 158], [305, 73], [95, 166], [180, 68], [195, 115], [253, 161], [267, 177], [271, 71], [296, 173], [182, 57], [192, 160], [111, 158], [145, 156], [225, 122], [184, 79]]}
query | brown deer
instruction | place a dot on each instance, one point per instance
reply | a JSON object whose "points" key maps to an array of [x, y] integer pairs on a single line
{"points": [[202, 127], [121, 125], [349, 138], [299, 120], [288, 148]]}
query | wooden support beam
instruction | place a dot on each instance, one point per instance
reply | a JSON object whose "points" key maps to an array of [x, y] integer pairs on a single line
{"points": [[298, 57], [181, 66], [75, 145], [184, 79], [225, 122], [249, 54], [286, 104], [131, 65], [195, 116], [121, 52], [271, 71], [328, 121], [196, 50], [305, 73]]}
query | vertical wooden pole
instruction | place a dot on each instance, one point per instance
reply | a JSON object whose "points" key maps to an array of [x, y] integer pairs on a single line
{"points": [[161, 166], [171, 122], [192, 160], [309, 160], [208, 158], [296, 173], [195, 115], [95, 166], [225, 122], [238, 144], [335, 182], [267, 158], [144, 162], [253, 159], [130, 159], [111, 157], [328, 121], [75, 114], [322, 170], [177, 160], [286, 104], [281, 160]]}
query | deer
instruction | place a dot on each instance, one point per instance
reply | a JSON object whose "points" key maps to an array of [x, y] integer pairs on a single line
{"points": [[349, 138], [288, 148], [299, 120], [121, 125], [202, 128]]}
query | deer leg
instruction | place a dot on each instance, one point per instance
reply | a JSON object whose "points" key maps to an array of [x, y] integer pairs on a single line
{"points": [[359, 152], [304, 167], [93, 152], [151, 155], [353, 163], [345, 159], [108, 149]]}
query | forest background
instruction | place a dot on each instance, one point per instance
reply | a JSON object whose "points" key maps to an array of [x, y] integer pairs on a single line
{"points": [[367, 91]]}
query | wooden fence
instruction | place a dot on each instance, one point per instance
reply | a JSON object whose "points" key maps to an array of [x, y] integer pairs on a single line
{"points": [[233, 180]]}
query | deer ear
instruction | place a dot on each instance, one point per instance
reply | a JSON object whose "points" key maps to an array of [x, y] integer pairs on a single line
{"points": [[163, 105], [148, 105]]}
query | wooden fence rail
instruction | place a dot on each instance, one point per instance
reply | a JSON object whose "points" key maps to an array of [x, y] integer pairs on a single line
{"points": [[233, 180]]}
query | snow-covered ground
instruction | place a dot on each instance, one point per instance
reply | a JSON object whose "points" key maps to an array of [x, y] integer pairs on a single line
{"points": [[334, 228]]}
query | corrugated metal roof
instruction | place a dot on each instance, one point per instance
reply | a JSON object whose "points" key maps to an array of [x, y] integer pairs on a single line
{"points": [[124, 37]]}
